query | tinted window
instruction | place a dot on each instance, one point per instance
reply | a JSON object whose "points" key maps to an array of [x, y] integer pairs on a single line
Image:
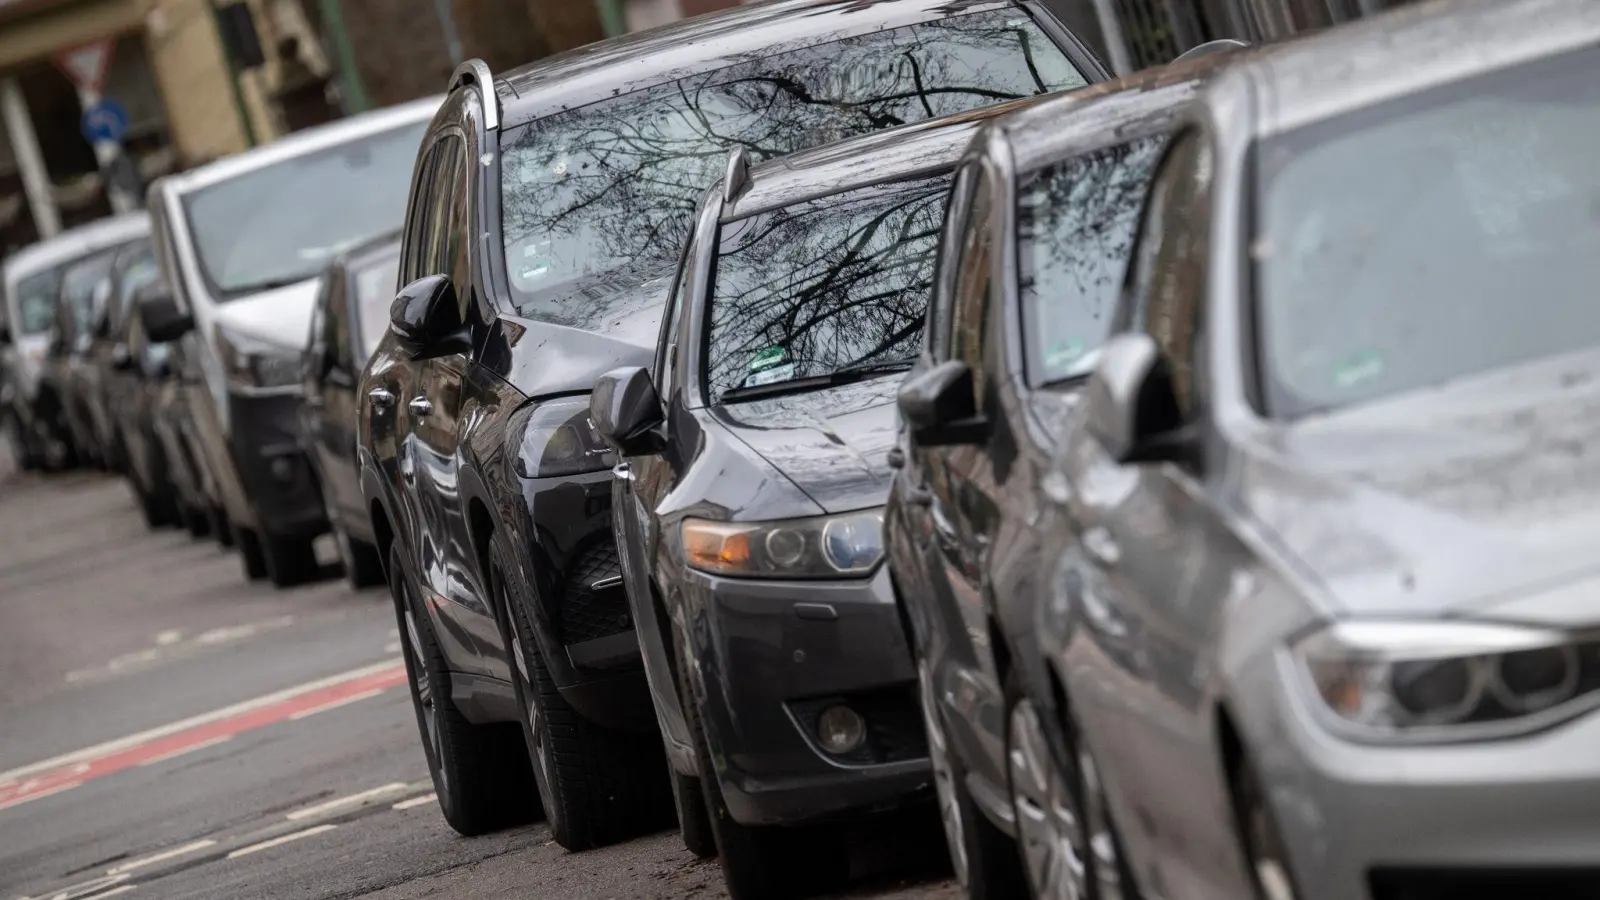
{"points": [[78, 284], [1439, 236], [816, 287], [285, 222], [1166, 276], [375, 287], [1075, 227], [611, 188], [971, 289], [135, 270], [36, 301]]}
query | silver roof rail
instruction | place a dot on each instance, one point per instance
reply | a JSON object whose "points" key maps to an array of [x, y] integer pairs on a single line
{"points": [[476, 72], [738, 173]]}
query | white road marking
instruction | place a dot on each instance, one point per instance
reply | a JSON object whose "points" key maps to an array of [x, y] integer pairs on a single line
{"points": [[364, 695], [309, 811], [189, 749], [163, 856], [171, 636], [111, 893], [36, 795], [83, 889], [280, 841], [415, 802], [392, 647], [142, 737], [171, 643]]}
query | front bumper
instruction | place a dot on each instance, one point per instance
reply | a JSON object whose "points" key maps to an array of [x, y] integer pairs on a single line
{"points": [[273, 472], [1508, 818], [771, 655]]}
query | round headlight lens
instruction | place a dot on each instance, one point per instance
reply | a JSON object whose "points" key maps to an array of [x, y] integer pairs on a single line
{"points": [[854, 543], [1531, 680], [785, 546], [1437, 690]]}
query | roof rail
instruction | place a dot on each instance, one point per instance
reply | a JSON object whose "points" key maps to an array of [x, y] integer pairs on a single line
{"points": [[738, 173], [476, 71]]}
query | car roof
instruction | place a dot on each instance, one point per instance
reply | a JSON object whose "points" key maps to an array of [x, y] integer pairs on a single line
{"points": [[308, 140], [632, 62], [76, 242], [920, 148], [1105, 114], [1407, 50]]}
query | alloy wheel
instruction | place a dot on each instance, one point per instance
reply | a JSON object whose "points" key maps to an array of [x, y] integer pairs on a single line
{"points": [[1050, 826], [944, 779], [1106, 867], [425, 698]]}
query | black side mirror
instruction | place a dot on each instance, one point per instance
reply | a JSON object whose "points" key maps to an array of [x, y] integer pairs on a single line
{"points": [[163, 321], [121, 359], [940, 406], [1132, 405], [627, 411], [426, 318]]}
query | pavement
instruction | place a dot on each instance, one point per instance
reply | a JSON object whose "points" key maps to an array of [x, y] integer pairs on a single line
{"points": [[168, 730]]}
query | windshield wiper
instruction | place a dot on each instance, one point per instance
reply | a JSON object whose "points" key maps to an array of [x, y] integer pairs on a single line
{"points": [[857, 371], [261, 287]]}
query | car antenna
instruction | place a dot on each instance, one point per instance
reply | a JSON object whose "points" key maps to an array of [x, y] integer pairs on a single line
{"points": [[738, 173]]}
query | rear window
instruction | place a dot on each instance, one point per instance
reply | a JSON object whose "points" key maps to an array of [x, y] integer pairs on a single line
{"points": [[823, 289], [598, 198]]}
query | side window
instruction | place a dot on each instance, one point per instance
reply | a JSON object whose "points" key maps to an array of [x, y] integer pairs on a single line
{"points": [[972, 288], [457, 262], [337, 324], [1166, 283], [413, 263], [667, 345], [438, 252], [941, 305]]}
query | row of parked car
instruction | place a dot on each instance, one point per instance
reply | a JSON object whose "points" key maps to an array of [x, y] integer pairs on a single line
{"points": [[821, 408]]}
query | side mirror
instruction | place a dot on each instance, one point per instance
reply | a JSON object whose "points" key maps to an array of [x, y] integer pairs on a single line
{"points": [[426, 319], [627, 411], [163, 321], [121, 359], [940, 406], [1132, 405]]}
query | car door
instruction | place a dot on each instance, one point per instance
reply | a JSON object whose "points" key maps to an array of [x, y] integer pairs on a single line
{"points": [[313, 377]]}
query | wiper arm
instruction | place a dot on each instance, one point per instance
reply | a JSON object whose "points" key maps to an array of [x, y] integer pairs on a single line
{"points": [[858, 371]]}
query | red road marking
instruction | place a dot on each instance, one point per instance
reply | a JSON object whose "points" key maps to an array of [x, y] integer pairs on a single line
{"points": [[69, 775]]}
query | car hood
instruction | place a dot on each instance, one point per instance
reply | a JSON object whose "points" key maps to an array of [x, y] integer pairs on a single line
{"points": [[833, 444], [1479, 493], [619, 327], [281, 316]]}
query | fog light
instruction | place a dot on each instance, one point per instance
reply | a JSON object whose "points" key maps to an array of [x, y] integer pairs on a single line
{"points": [[282, 469], [841, 729]]}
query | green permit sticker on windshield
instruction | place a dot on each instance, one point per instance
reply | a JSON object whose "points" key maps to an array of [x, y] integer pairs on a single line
{"points": [[1359, 367], [768, 358], [1063, 354], [769, 375]]}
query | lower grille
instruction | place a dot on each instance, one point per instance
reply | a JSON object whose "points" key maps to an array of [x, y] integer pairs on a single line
{"points": [[593, 602]]}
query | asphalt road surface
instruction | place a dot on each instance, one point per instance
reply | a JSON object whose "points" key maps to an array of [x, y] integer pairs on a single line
{"points": [[169, 731]]}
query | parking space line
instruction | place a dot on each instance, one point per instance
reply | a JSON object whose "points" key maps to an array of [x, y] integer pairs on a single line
{"points": [[36, 794], [353, 799], [416, 801], [280, 841], [222, 739], [112, 893], [343, 701], [163, 856]]}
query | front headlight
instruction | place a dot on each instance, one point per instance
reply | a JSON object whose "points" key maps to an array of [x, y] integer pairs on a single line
{"points": [[1447, 680], [557, 437], [819, 547], [252, 363]]}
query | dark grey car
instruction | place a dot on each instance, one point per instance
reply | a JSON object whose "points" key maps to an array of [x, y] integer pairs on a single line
{"points": [[749, 508], [1322, 585]]}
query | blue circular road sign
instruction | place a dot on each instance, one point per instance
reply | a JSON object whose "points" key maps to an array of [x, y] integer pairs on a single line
{"points": [[107, 120]]}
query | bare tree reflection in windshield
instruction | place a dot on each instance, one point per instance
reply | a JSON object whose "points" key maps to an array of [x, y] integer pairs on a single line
{"points": [[811, 290], [598, 198]]}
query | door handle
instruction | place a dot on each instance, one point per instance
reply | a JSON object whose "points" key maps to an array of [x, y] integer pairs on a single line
{"points": [[622, 471], [1102, 546], [420, 406], [380, 397]]}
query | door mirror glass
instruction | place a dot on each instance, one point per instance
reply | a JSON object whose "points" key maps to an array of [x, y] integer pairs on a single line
{"points": [[627, 411], [1132, 407], [163, 321], [940, 405], [425, 317]]}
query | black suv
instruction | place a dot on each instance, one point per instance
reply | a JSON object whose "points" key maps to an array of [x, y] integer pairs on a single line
{"points": [[547, 212]]}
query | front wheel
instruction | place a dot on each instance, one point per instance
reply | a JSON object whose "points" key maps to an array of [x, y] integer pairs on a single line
{"points": [[363, 567], [598, 786], [693, 819], [1264, 847], [480, 772]]}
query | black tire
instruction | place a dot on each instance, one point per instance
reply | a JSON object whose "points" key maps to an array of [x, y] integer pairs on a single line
{"points": [[23, 451], [159, 510], [693, 820], [760, 862], [290, 561], [984, 858], [480, 773], [251, 554], [194, 521], [363, 567], [223, 530], [598, 786]]}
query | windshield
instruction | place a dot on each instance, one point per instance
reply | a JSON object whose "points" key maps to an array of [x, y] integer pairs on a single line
{"points": [[615, 184], [375, 287], [138, 270], [1437, 236], [820, 286], [1075, 228], [36, 300], [286, 222]]}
